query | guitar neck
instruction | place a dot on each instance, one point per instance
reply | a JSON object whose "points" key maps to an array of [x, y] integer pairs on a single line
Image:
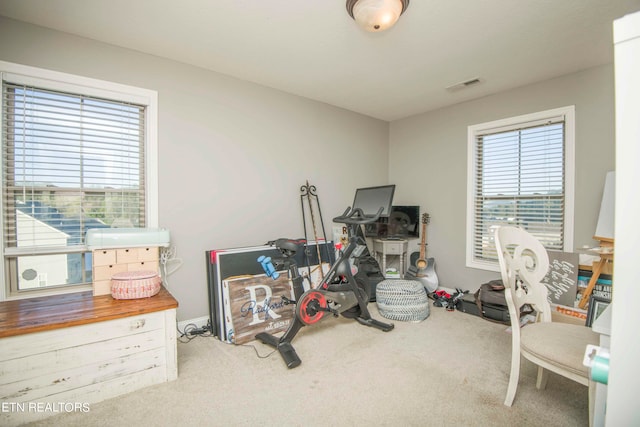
{"points": [[423, 240]]}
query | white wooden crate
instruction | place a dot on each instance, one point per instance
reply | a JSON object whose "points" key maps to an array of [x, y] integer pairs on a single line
{"points": [[85, 364]]}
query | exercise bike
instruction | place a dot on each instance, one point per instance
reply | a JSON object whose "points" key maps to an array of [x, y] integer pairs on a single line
{"points": [[337, 294]]}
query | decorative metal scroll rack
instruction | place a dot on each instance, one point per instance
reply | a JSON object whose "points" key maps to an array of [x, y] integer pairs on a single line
{"points": [[308, 194]]}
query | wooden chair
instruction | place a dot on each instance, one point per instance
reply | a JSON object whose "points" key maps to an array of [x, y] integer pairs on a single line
{"points": [[553, 346]]}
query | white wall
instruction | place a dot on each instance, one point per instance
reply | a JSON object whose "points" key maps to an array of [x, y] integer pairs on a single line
{"points": [[428, 160], [232, 155]]}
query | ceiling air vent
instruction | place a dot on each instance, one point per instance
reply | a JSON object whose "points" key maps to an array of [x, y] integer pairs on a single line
{"points": [[464, 84]]}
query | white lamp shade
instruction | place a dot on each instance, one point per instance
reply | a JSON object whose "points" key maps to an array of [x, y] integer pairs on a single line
{"points": [[377, 15]]}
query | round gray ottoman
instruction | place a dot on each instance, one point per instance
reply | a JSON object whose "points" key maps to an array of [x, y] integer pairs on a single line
{"points": [[404, 300]]}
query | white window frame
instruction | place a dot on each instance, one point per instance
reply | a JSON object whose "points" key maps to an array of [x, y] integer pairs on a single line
{"points": [[569, 144], [64, 82]]}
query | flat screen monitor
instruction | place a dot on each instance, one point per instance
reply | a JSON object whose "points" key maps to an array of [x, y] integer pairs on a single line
{"points": [[403, 223], [371, 199]]}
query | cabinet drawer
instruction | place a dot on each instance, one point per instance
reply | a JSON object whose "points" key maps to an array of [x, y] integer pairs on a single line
{"points": [[143, 265], [148, 254], [104, 257], [104, 272], [127, 255], [394, 249]]}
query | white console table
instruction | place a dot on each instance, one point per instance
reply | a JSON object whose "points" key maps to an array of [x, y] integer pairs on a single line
{"points": [[384, 247]]}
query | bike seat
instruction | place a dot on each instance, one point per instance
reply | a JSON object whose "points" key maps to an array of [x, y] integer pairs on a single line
{"points": [[287, 246]]}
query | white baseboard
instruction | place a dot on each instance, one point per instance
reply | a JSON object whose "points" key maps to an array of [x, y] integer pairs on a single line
{"points": [[199, 322]]}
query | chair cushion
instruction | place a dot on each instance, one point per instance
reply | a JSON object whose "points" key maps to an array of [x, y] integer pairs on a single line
{"points": [[560, 344]]}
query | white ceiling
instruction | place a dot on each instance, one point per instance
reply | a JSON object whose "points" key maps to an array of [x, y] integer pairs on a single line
{"points": [[312, 48]]}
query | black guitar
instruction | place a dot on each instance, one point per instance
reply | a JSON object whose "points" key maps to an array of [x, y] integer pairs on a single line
{"points": [[423, 268]]}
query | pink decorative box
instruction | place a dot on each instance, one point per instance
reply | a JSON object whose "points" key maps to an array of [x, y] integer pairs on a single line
{"points": [[135, 284]]}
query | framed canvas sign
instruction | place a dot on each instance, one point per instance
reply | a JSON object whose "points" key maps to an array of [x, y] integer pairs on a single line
{"points": [[596, 307], [226, 264], [562, 278], [254, 304]]}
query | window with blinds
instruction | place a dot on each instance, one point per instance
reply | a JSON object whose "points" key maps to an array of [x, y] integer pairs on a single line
{"points": [[519, 177], [70, 162]]}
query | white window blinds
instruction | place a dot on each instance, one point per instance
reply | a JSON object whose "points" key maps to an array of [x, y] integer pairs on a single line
{"points": [[519, 180], [69, 163]]}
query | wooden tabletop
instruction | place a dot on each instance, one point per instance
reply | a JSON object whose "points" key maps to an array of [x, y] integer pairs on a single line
{"points": [[29, 315]]}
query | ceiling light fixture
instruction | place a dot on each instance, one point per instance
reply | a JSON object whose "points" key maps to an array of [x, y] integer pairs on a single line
{"points": [[376, 15]]}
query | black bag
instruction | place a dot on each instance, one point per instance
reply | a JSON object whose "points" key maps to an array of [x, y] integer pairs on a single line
{"points": [[491, 293], [368, 274], [491, 302], [494, 313]]}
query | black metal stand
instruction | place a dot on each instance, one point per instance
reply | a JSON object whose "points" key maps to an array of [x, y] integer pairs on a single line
{"points": [[308, 193]]}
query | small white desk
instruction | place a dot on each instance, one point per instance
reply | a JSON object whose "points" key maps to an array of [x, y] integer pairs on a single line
{"points": [[383, 248]]}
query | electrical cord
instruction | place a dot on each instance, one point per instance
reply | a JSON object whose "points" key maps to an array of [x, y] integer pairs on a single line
{"points": [[257, 353], [168, 256], [192, 331]]}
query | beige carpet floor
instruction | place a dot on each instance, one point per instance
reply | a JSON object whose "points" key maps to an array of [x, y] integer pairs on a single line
{"points": [[449, 370]]}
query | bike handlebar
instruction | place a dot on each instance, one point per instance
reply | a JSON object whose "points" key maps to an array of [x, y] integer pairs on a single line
{"points": [[357, 216]]}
